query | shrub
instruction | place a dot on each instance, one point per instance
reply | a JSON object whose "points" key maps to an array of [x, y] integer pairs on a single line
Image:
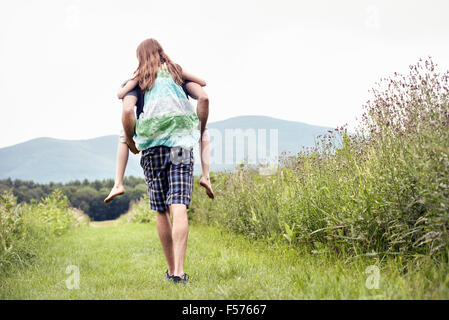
{"points": [[24, 226], [53, 214], [12, 232]]}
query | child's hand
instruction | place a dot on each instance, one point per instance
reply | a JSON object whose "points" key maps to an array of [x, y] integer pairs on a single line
{"points": [[121, 94]]}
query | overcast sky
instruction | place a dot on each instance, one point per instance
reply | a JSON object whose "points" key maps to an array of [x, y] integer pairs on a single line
{"points": [[62, 61]]}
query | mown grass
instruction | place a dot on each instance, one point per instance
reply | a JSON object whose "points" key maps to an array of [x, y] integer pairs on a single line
{"points": [[125, 261]]}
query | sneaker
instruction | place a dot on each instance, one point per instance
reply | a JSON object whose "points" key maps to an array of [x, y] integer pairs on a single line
{"points": [[183, 279], [167, 276]]}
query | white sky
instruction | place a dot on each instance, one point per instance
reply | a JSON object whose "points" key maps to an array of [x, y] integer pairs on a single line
{"points": [[310, 61]]}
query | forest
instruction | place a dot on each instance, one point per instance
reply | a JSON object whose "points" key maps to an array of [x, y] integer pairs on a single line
{"points": [[85, 195]]}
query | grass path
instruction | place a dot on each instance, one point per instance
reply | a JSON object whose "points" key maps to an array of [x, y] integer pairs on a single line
{"points": [[126, 262], [100, 224]]}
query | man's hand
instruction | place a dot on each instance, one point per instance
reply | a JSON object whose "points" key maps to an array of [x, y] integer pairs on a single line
{"points": [[132, 146]]}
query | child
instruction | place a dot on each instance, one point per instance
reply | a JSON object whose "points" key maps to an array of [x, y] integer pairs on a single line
{"points": [[193, 87]]}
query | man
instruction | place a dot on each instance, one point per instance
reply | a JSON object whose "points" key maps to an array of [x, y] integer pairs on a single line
{"points": [[173, 237]]}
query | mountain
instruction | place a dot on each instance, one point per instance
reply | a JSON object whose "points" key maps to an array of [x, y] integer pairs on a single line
{"points": [[47, 159]]}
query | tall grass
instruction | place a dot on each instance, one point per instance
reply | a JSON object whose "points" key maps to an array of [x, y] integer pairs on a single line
{"points": [[23, 227], [383, 190]]}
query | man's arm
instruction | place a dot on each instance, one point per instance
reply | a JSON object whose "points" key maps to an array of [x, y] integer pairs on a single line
{"points": [[129, 121]]}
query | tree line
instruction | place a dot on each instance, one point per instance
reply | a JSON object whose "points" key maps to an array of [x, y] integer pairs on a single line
{"points": [[85, 195]]}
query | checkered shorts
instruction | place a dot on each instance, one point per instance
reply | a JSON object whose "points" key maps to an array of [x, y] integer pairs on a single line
{"points": [[168, 175]]}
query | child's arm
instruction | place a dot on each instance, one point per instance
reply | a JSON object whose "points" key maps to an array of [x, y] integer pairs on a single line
{"points": [[131, 84], [190, 77]]}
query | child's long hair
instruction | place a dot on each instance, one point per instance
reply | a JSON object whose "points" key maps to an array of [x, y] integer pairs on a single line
{"points": [[151, 56]]}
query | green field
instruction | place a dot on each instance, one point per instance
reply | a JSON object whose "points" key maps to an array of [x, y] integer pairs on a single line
{"points": [[125, 261], [358, 216]]}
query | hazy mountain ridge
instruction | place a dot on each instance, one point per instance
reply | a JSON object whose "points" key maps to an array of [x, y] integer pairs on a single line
{"points": [[48, 159]]}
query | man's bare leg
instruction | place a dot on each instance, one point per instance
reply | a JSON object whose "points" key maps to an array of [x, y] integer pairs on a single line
{"points": [[164, 228], [122, 160], [197, 92], [180, 232]]}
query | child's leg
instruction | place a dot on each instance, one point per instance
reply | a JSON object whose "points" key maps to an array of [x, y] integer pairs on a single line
{"points": [[122, 160], [196, 92], [205, 154], [205, 163]]}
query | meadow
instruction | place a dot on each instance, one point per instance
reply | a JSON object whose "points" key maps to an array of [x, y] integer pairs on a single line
{"points": [[383, 190], [362, 215]]}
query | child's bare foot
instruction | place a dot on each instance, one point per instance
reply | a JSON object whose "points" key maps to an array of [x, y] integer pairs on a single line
{"points": [[116, 191], [205, 182]]}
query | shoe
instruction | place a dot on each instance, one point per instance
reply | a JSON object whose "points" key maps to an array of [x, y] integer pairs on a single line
{"points": [[167, 276], [183, 279]]}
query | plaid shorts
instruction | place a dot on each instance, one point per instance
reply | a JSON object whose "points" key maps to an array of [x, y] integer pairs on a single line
{"points": [[168, 175]]}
